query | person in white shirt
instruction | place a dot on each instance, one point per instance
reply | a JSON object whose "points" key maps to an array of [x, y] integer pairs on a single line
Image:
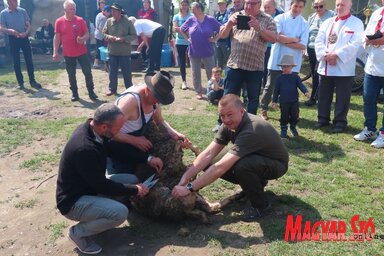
{"points": [[374, 78], [100, 21], [292, 30], [336, 47], [152, 34]]}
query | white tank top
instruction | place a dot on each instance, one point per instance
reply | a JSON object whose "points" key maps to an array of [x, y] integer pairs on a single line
{"points": [[134, 125]]}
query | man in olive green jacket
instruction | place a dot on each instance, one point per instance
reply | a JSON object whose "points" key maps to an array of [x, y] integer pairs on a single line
{"points": [[119, 32]]}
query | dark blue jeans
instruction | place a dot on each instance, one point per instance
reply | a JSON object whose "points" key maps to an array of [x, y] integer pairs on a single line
{"points": [[125, 64], [70, 65], [15, 45], [372, 87], [234, 81]]}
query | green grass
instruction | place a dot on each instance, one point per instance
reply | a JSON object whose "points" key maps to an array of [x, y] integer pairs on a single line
{"points": [[15, 132], [39, 160], [30, 203], [57, 230], [330, 176]]}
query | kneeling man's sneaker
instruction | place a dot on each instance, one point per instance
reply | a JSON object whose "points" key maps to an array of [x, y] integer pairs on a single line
{"points": [[84, 244], [253, 213], [365, 134], [379, 142]]}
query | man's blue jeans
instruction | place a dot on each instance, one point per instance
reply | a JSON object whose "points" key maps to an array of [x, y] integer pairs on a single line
{"points": [[372, 87], [96, 214], [99, 213], [236, 78]]}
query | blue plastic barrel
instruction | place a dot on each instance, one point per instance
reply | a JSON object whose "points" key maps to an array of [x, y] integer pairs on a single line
{"points": [[166, 56]]}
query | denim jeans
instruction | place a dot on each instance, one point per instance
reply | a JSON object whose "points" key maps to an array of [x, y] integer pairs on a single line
{"points": [[372, 87], [234, 81], [15, 45], [70, 65], [125, 64], [96, 214]]}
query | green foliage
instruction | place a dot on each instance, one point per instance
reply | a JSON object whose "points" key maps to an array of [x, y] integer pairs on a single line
{"points": [[30, 203], [57, 230], [16, 132]]}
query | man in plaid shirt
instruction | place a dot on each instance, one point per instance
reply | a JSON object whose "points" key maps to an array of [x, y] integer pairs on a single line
{"points": [[246, 60]]}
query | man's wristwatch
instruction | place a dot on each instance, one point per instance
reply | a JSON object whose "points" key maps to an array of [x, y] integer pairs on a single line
{"points": [[150, 157], [190, 187]]}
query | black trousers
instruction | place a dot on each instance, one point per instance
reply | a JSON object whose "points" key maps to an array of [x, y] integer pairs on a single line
{"points": [[182, 54], [251, 173], [289, 113], [343, 87], [313, 63], [15, 45], [155, 48], [70, 65]]}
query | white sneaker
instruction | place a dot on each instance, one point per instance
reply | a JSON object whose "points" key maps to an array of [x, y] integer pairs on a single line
{"points": [[365, 135], [216, 128], [379, 142], [184, 86]]}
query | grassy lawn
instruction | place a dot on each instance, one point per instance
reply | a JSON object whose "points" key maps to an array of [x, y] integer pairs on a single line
{"points": [[330, 177]]}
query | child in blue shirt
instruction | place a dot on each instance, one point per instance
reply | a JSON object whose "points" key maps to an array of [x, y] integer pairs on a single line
{"points": [[288, 96], [215, 88]]}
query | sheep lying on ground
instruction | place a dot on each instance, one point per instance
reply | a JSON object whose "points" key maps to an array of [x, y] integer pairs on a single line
{"points": [[159, 202]]}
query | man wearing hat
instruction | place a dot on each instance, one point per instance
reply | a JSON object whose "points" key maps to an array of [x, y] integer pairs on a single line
{"points": [[256, 154], [100, 21], [286, 91], [140, 104], [119, 32]]}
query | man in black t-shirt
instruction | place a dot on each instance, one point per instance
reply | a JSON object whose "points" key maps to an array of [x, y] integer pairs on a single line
{"points": [[256, 156]]}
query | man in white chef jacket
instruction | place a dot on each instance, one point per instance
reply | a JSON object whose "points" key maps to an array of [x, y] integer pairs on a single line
{"points": [[336, 47]]}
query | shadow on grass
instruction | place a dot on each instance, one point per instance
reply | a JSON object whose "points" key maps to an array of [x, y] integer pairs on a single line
{"points": [[147, 237]]}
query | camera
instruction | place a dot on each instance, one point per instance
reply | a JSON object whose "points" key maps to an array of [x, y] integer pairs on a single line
{"points": [[242, 22]]}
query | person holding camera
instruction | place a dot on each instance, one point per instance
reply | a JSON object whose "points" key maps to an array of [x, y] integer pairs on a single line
{"points": [[249, 30], [374, 78]]}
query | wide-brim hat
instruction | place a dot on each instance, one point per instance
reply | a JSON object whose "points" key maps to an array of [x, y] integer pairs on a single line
{"points": [[222, 2], [118, 7], [160, 83], [287, 60]]}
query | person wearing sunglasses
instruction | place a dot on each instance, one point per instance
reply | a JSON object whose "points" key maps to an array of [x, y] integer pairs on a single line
{"points": [[315, 20]]}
